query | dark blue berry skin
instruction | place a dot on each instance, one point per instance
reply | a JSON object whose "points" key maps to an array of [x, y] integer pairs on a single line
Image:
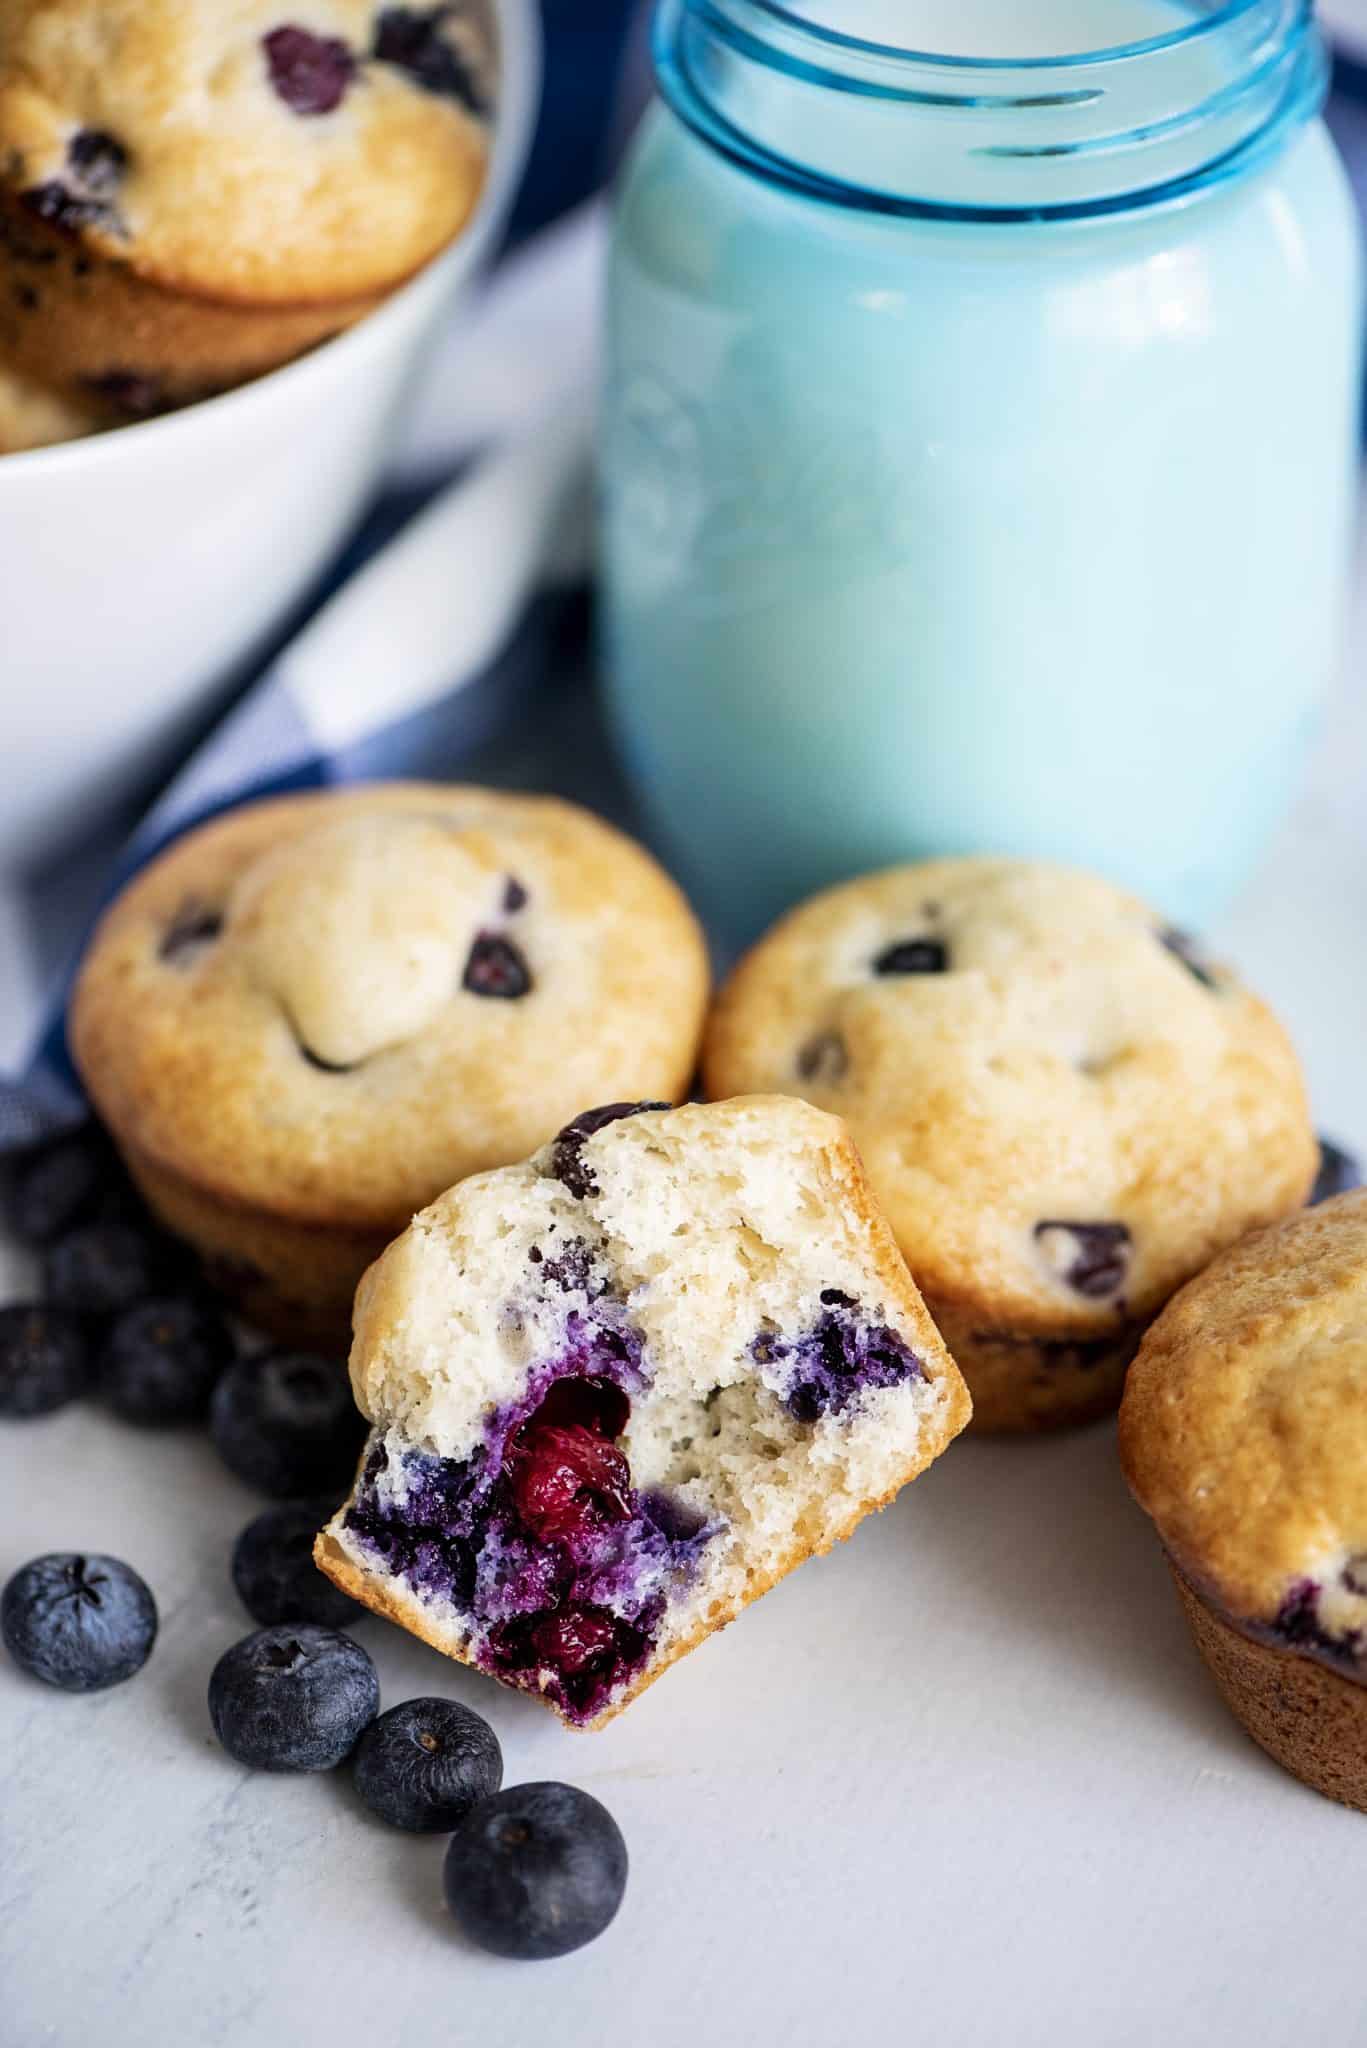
{"points": [[536, 1871], [78, 1621], [44, 1360], [286, 1424], [161, 1361], [567, 1158], [293, 1698], [410, 38], [424, 1765], [103, 1268], [274, 1573], [1339, 1173], [497, 968], [58, 1188], [913, 956], [310, 73]]}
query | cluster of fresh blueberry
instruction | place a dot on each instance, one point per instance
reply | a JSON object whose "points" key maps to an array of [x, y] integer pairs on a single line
{"points": [[531, 1872], [124, 1312]]}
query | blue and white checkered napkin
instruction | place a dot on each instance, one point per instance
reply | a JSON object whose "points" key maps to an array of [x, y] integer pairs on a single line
{"points": [[453, 610]]}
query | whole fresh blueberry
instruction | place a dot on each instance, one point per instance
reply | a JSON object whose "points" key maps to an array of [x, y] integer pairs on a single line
{"points": [[162, 1360], [274, 1572], [103, 1268], [44, 1359], [424, 1765], [57, 1188], [1339, 1173], [536, 1871], [293, 1698], [286, 1423], [78, 1621]]}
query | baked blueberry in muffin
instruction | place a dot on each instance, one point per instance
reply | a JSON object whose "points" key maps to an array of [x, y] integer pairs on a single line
{"points": [[191, 194], [311, 1016], [619, 1391], [1244, 1435], [1065, 1109]]}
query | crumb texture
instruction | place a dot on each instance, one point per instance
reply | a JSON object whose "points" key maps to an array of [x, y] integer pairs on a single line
{"points": [[606, 1419]]}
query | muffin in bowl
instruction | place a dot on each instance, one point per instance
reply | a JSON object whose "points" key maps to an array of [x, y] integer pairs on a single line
{"points": [[191, 195], [313, 1015], [1065, 1110]]}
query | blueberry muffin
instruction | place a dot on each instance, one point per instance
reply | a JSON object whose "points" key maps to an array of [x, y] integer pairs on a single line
{"points": [[1064, 1109], [1244, 1435], [619, 1391], [33, 416], [312, 1015], [192, 193]]}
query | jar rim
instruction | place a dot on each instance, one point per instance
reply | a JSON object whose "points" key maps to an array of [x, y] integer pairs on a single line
{"points": [[1071, 137], [840, 39]]}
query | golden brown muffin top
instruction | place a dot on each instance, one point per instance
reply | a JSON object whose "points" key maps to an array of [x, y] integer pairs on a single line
{"points": [[334, 1006], [258, 151], [1244, 1430], [1064, 1110]]}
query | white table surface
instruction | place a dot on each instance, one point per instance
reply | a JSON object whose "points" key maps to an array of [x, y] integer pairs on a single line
{"points": [[962, 1783]]}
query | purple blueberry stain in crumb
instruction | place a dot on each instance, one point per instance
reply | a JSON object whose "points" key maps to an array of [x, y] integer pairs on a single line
{"points": [[411, 39], [1184, 948], [1091, 1258], [310, 73], [515, 896], [824, 1059], [496, 968], [563, 1569], [572, 1269], [1299, 1626], [194, 927], [84, 195], [845, 1355], [567, 1155], [912, 956]]}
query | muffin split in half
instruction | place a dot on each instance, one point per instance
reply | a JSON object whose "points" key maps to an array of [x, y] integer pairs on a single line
{"points": [[619, 1391]]}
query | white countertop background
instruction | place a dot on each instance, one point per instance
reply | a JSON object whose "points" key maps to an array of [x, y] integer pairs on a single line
{"points": [[963, 1783]]}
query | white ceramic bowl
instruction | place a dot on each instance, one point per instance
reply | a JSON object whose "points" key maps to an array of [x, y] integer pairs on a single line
{"points": [[139, 570]]}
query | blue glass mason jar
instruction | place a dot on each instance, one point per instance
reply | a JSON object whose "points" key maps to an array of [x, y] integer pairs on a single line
{"points": [[979, 439]]}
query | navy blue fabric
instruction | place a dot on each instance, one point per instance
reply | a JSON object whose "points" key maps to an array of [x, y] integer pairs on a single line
{"points": [[585, 44]]}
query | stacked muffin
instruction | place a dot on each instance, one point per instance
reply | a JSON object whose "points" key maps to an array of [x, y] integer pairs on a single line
{"points": [[190, 196]]}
